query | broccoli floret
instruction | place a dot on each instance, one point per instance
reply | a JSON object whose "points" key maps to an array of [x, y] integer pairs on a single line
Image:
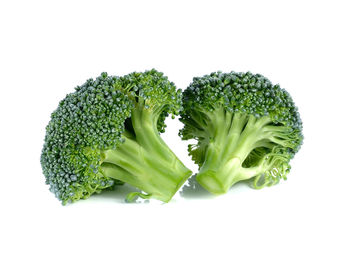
{"points": [[245, 127], [107, 133]]}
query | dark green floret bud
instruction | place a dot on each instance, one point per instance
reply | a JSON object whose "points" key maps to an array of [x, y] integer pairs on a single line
{"points": [[106, 133], [245, 127]]}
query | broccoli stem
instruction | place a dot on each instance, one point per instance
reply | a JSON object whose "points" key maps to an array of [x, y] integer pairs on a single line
{"points": [[233, 136], [145, 161]]}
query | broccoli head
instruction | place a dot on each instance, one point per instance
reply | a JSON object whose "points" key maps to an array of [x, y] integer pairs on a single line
{"points": [[245, 128], [107, 133]]}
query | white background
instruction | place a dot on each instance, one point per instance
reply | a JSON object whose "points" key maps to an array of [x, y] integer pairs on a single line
{"points": [[300, 225]]}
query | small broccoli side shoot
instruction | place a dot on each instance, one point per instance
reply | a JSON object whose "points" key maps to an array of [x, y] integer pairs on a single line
{"points": [[245, 127], [107, 133]]}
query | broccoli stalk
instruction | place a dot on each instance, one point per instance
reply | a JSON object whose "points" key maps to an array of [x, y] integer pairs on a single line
{"points": [[145, 161], [234, 138]]}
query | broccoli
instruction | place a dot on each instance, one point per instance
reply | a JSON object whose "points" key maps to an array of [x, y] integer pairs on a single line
{"points": [[107, 133], [245, 128]]}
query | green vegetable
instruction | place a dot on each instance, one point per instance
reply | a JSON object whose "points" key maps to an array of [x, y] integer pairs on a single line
{"points": [[245, 127], [107, 133]]}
